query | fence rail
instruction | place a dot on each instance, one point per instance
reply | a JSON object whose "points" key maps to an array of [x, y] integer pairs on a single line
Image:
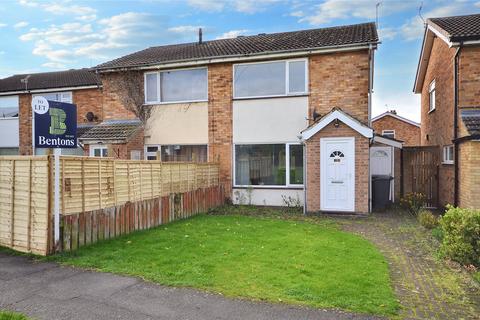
{"points": [[93, 185]]}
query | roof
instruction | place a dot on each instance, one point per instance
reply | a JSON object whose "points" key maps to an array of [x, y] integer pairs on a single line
{"points": [[471, 119], [458, 28], [387, 141], [112, 130], [337, 113], [83, 128], [351, 35], [396, 116], [454, 31], [50, 80]]}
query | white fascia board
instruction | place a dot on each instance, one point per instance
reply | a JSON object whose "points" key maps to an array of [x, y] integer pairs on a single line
{"points": [[388, 142], [8, 93], [440, 35], [251, 57], [396, 116], [423, 60], [363, 130]]}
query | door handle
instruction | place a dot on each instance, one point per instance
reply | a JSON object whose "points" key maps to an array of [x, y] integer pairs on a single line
{"points": [[337, 181]]}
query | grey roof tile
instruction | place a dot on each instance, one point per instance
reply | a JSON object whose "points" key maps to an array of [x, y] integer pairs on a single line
{"points": [[50, 80], [250, 45], [459, 28], [471, 119], [112, 130]]}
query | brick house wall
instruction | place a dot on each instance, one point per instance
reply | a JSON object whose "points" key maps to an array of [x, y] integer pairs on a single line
{"points": [[339, 80], [85, 99], [469, 175], [440, 67], [408, 133], [313, 157], [220, 120], [113, 108]]}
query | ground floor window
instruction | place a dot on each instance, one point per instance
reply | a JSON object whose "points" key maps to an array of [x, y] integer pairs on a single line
{"points": [[448, 154], [184, 153], [98, 151], [8, 151], [268, 164]]}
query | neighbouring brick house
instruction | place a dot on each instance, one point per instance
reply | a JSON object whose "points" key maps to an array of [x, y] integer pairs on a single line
{"points": [[270, 108], [448, 79], [390, 124], [81, 87]]}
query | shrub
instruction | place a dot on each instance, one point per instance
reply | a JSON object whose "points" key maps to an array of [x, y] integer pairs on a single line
{"points": [[427, 219], [461, 241], [413, 202], [437, 233]]}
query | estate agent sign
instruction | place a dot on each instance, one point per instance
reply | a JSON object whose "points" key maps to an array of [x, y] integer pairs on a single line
{"points": [[55, 124]]}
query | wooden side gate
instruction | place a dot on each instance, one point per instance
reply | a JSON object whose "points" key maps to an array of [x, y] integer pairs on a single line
{"points": [[420, 168]]}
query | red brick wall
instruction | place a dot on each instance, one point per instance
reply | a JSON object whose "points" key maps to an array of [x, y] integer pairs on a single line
{"points": [[123, 150], [440, 68], [25, 124], [113, 108], [404, 131], [361, 167], [220, 120], [340, 80], [88, 100]]}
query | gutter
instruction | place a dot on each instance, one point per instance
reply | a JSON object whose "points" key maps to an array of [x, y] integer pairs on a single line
{"points": [[455, 126], [8, 93], [248, 57]]}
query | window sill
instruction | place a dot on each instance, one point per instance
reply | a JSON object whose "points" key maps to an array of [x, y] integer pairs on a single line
{"points": [[297, 187], [172, 102], [8, 118], [430, 111], [448, 162], [272, 97]]}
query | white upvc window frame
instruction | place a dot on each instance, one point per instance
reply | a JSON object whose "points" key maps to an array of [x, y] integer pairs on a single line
{"points": [[61, 93], [157, 102], [287, 167], [17, 101], [432, 91], [388, 131], [100, 147], [151, 153], [287, 79], [446, 154]]}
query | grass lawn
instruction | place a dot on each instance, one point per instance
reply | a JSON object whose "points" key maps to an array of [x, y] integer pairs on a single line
{"points": [[7, 315], [258, 258]]}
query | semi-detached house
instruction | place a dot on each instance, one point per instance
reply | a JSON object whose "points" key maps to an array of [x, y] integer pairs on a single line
{"points": [[286, 115]]}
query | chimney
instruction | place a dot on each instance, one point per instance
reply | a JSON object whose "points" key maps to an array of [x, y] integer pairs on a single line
{"points": [[199, 35], [393, 111]]}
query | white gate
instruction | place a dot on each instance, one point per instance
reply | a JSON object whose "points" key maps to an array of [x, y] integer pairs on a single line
{"points": [[381, 163]]}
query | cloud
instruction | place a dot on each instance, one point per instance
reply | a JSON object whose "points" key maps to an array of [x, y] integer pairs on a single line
{"points": [[54, 65], [59, 9], [331, 10], [102, 39], [2, 25], [207, 5], [414, 28], [21, 24], [387, 33], [27, 3], [244, 6], [232, 34], [2, 52], [297, 14]]}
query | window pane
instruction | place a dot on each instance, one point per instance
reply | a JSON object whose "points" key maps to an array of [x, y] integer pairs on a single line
{"points": [[152, 149], [104, 152], [8, 107], [260, 164], [96, 152], [184, 153], [262, 79], [296, 75], [183, 85], [296, 164], [151, 87]]}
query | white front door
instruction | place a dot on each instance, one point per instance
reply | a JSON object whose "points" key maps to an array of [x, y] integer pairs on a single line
{"points": [[337, 174]]}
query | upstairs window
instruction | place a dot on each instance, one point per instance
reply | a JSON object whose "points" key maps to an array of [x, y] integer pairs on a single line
{"points": [[186, 85], [389, 134], [57, 96], [9, 107], [270, 79], [431, 95]]}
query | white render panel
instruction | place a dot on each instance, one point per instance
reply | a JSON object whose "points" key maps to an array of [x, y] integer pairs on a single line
{"points": [[266, 196], [185, 123], [9, 133], [269, 120]]}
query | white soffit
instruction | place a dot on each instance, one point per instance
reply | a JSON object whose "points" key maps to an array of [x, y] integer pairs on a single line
{"points": [[388, 142]]}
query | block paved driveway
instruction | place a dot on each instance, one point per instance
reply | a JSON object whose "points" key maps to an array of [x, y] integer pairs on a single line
{"points": [[49, 291]]}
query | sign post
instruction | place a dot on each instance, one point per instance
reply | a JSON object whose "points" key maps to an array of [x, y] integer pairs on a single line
{"points": [[55, 128]]}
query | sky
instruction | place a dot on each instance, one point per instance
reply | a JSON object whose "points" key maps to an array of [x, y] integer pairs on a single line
{"points": [[41, 36]]}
